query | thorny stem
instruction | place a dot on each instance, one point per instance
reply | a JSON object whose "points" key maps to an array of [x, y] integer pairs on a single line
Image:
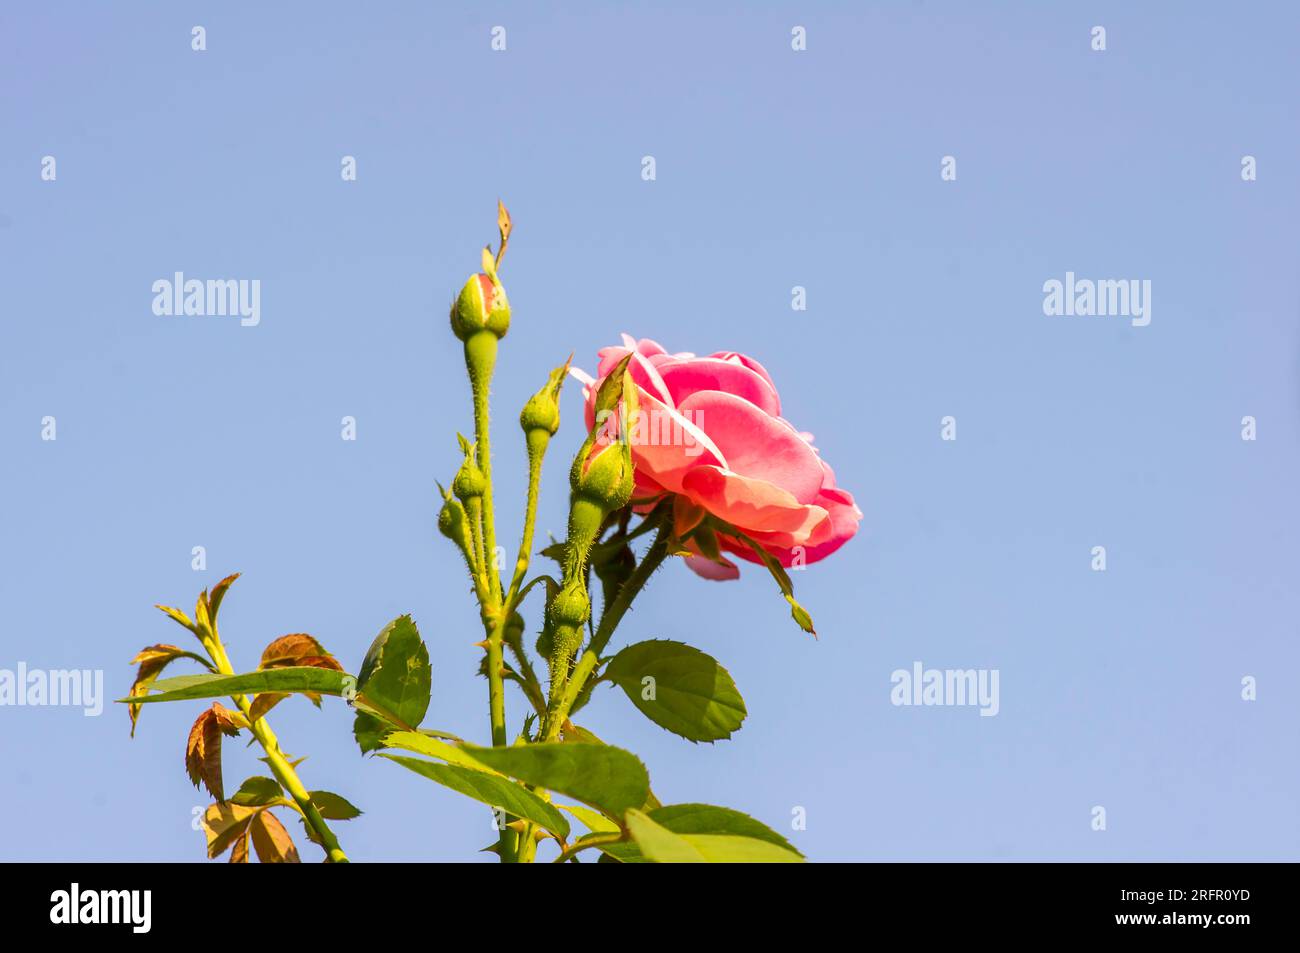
{"points": [[480, 361], [284, 772]]}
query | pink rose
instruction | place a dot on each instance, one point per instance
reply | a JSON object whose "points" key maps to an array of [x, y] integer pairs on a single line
{"points": [[712, 434]]}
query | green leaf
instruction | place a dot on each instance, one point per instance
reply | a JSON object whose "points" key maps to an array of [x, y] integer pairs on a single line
{"points": [[691, 819], [576, 734], [369, 731], [258, 790], [691, 694], [296, 679], [554, 551], [334, 807], [730, 849], [491, 789], [395, 677], [177, 682], [660, 845], [421, 743], [798, 612], [607, 778]]}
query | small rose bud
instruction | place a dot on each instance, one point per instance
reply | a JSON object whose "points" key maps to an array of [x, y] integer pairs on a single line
{"points": [[545, 643], [453, 522], [569, 607], [542, 412], [451, 519], [481, 305], [469, 481]]}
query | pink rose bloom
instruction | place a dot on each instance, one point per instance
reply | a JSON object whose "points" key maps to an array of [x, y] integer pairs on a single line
{"points": [[712, 434]]}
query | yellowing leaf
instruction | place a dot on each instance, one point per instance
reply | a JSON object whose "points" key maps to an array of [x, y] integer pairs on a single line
{"points": [[271, 841], [180, 617], [224, 824], [152, 660], [202, 618], [264, 703], [660, 844], [218, 593], [596, 822]]}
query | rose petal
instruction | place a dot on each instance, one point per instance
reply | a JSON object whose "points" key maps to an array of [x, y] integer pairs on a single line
{"points": [[747, 361], [667, 445], [755, 444], [754, 506], [842, 522], [708, 569], [683, 378]]}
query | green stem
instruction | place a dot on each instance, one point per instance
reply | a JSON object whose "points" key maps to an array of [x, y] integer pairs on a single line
{"points": [[284, 772], [613, 614], [594, 841], [537, 441], [480, 359], [477, 564], [570, 608], [610, 617]]}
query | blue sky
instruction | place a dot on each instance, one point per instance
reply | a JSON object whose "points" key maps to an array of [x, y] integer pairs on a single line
{"points": [[775, 169]]}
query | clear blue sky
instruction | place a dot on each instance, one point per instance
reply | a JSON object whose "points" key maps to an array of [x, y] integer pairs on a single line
{"points": [[774, 169]]}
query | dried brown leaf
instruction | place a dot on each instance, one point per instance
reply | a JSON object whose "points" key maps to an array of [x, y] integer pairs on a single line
{"points": [[239, 853], [288, 649], [203, 748]]}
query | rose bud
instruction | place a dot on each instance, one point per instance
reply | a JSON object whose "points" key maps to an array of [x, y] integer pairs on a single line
{"points": [[469, 482], [607, 478], [453, 523], [481, 305], [542, 412]]}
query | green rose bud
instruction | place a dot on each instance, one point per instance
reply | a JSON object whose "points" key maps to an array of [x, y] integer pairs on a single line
{"points": [[481, 305], [469, 481], [607, 478], [569, 607], [542, 412], [452, 520]]}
